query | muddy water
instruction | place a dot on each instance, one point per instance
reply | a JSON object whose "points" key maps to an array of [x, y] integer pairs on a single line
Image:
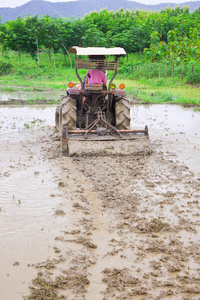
{"points": [[169, 118], [98, 215], [26, 206], [29, 197], [179, 127], [20, 118], [25, 95]]}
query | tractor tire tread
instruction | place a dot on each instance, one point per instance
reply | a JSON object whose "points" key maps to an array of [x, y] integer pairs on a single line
{"points": [[122, 114]]}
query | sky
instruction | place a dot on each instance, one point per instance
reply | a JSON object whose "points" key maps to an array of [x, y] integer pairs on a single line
{"points": [[14, 3]]}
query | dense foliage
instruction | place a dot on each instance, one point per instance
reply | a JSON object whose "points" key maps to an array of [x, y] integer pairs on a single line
{"points": [[171, 34]]}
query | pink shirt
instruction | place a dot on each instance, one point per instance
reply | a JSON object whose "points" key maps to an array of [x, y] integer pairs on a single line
{"points": [[96, 76]]}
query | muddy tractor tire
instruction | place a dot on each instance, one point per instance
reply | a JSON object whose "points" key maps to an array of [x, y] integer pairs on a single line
{"points": [[68, 116], [122, 114], [57, 117]]}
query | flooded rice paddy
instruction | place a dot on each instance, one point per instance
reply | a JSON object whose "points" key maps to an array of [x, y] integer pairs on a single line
{"points": [[108, 227], [172, 118], [19, 94]]}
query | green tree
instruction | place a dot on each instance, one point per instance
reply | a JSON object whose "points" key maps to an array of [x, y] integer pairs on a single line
{"points": [[15, 36], [154, 51], [34, 29], [179, 47], [79, 26], [93, 37], [49, 35], [64, 33]]}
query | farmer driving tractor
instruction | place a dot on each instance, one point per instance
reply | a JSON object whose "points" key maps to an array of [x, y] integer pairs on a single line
{"points": [[97, 76]]}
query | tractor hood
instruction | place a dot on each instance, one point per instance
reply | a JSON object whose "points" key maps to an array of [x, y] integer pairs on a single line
{"points": [[97, 51]]}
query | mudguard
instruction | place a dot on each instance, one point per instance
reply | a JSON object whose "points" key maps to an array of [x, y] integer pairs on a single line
{"points": [[119, 93], [73, 91]]}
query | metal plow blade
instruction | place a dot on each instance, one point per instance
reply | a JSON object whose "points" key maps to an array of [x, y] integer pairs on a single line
{"points": [[108, 148], [129, 142]]}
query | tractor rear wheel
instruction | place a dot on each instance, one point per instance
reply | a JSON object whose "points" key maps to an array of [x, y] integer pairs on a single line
{"points": [[122, 114], [57, 117], [68, 115]]}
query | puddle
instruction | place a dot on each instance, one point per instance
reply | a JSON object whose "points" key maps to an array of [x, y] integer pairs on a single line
{"points": [[27, 228], [29, 197], [20, 119], [170, 118]]}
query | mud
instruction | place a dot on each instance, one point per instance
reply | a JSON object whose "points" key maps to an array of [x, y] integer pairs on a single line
{"points": [[105, 227]]}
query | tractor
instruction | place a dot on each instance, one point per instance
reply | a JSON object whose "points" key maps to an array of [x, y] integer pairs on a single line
{"points": [[95, 111]]}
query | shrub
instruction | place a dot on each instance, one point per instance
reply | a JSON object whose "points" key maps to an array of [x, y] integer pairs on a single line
{"points": [[5, 68], [194, 78]]}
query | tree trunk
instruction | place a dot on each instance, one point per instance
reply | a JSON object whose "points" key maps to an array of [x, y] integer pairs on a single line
{"points": [[65, 60], [68, 55], [182, 72], [53, 57], [165, 70], [153, 70], [49, 52], [19, 55], [38, 54]]}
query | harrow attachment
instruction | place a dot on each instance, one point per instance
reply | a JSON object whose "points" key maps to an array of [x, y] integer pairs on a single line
{"points": [[111, 140]]}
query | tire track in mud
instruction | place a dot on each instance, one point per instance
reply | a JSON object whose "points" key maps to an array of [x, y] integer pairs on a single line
{"points": [[91, 226], [133, 230], [77, 245], [156, 205]]}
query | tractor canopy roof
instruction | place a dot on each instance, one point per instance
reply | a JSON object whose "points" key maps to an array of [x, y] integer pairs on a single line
{"points": [[97, 51]]}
